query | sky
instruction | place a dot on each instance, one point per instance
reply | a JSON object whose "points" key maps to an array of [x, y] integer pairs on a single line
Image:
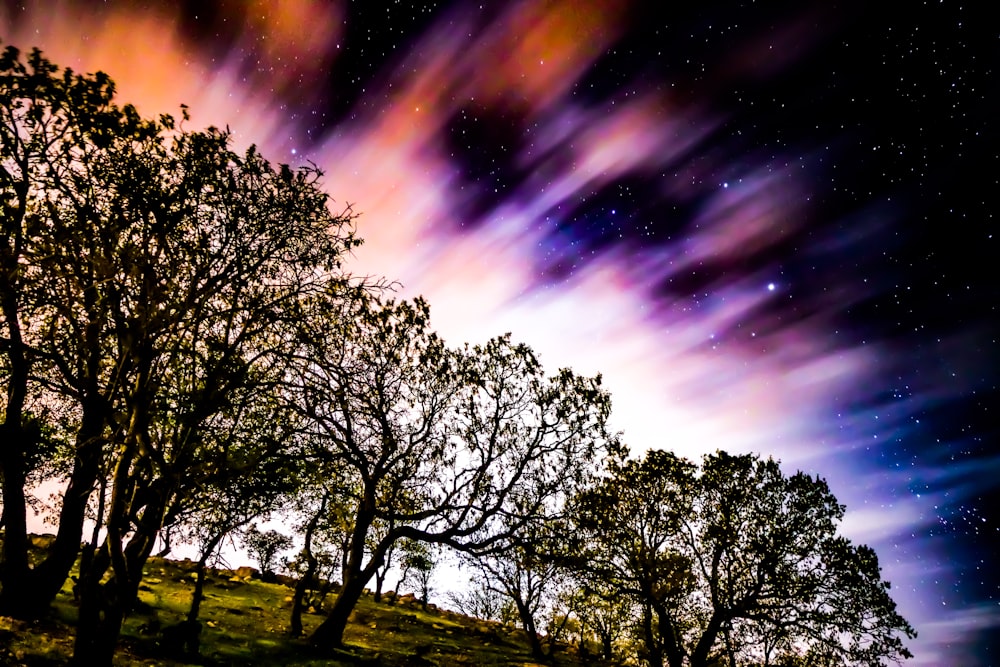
{"points": [[769, 225]]}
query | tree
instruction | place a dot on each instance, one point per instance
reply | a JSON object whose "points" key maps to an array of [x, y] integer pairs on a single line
{"points": [[418, 563], [527, 579], [54, 135], [315, 565], [207, 518], [603, 613], [452, 447], [265, 546], [152, 285], [717, 559], [479, 600]]}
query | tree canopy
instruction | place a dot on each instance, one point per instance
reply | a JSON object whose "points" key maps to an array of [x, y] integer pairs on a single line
{"points": [[151, 284], [458, 447], [736, 561]]}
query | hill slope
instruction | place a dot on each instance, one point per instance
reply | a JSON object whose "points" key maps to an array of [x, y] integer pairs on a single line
{"points": [[245, 620]]}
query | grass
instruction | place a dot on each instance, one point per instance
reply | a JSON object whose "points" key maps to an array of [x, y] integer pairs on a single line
{"points": [[245, 621]]}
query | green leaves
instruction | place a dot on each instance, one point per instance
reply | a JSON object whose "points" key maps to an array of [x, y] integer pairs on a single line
{"points": [[152, 281], [730, 554]]}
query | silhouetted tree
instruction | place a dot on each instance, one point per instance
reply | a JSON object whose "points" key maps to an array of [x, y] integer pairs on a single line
{"points": [[480, 600], [220, 510], [453, 447], [418, 563], [264, 546], [55, 135], [717, 557], [528, 579], [151, 286], [604, 615], [309, 562]]}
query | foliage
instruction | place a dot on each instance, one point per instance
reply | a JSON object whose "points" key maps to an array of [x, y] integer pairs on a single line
{"points": [[418, 563], [180, 345], [151, 285], [265, 546], [457, 447], [721, 559]]}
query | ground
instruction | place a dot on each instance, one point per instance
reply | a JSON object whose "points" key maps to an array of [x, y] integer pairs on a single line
{"points": [[245, 622]]}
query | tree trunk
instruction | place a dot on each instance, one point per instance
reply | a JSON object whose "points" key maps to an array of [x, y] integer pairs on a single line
{"points": [[653, 650], [51, 573], [669, 639], [379, 582], [199, 592], [16, 596], [295, 624], [528, 623], [199, 583], [27, 593], [103, 607], [301, 586], [330, 633], [607, 646], [699, 657], [102, 612], [15, 439]]}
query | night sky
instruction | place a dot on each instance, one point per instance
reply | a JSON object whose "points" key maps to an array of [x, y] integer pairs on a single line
{"points": [[770, 225]]}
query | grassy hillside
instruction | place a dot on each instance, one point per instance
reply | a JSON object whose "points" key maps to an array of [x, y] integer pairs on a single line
{"points": [[245, 621]]}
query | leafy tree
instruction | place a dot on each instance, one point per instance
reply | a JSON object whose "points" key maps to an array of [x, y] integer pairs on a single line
{"points": [[54, 136], [151, 286], [418, 565], [604, 615], [452, 447], [207, 518], [718, 558], [265, 546], [527, 579], [316, 564]]}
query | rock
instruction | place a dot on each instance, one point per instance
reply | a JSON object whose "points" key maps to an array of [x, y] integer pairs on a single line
{"points": [[285, 580], [43, 541], [246, 573]]}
